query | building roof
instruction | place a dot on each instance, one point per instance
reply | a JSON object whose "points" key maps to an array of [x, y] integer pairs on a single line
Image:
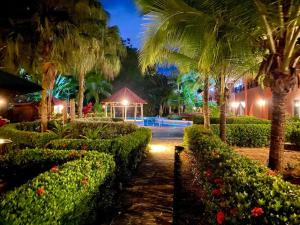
{"points": [[124, 94], [15, 84]]}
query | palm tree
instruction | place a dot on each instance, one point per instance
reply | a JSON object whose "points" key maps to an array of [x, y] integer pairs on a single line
{"points": [[35, 36], [96, 87]]}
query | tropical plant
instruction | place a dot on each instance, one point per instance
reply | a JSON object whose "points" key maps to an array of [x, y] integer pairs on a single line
{"points": [[92, 134], [96, 87], [61, 130]]}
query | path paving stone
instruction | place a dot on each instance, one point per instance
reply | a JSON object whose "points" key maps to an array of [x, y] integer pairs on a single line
{"points": [[148, 199]]}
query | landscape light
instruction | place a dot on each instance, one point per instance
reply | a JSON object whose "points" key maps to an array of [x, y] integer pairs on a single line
{"points": [[235, 104], [261, 102], [297, 104], [243, 104], [125, 102], [2, 101], [157, 148]]}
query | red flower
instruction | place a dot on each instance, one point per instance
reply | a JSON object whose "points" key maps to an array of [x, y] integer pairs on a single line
{"points": [[84, 147], [257, 211], [216, 192], [85, 181], [208, 173], [234, 211], [40, 191], [271, 173], [220, 217], [54, 169], [218, 181]]}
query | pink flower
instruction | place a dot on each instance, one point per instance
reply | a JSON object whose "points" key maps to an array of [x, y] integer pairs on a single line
{"points": [[208, 173], [257, 211], [54, 169], [40, 191], [218, 181], [216, 192], [220, 217]]}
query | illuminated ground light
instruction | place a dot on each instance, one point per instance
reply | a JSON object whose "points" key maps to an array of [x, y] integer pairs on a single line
{"points": [[157, 148]]}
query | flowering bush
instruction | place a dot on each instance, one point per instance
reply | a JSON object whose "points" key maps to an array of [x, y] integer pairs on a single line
{"points": [[87, 109], [239, 190], [68, 196]]}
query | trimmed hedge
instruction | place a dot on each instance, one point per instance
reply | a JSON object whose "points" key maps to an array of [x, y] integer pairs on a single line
{"points": [[23, 138], [127, 149], [236, 189], [112, 129], [66, 196], [246, 135], [232, 120], [18, 162]]}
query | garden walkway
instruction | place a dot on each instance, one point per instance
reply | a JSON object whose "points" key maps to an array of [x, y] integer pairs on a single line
{"points": [[149, 197]]}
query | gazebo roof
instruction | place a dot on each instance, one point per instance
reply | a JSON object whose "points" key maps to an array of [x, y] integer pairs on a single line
{"points": [[124, 94]]}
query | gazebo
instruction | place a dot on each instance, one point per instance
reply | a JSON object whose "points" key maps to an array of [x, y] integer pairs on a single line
{"points": [[124, 99]]}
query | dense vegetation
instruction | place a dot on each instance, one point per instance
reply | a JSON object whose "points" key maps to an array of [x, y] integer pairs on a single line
{"points": [[236, 189]]}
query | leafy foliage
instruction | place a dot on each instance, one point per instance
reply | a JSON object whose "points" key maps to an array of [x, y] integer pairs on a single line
{"points": [[47, 200], [237, 187]]}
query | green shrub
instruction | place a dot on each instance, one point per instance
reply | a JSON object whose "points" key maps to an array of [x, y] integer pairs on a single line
{"points": [[174, 117], [68, 196], [295, 137], [112, 129], [232, 120], [20, 162], [238, 188], [127, 149], [22, 138], [246, 135], [82, 144]]}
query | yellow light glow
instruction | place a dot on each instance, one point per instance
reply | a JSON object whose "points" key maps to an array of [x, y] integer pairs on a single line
{"points": [[125, 102], [157, 148], [58, 108], [235, 104], [243, 104], [261, 102], [2, 141], [2, 101]]}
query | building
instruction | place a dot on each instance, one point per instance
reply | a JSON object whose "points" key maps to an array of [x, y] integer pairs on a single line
{"points": [[253, 100]]}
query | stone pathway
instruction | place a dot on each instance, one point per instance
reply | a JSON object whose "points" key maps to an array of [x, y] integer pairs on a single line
{"points": [[148, 199]]}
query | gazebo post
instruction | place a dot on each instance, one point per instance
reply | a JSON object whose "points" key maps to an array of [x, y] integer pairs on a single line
{"points": [[125, 109], [111, 113], [135, 110], [105, 109], [142, 111], [114, 111]]}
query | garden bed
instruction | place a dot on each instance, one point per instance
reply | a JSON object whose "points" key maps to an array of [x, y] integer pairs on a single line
{"points": [[291, 161]]}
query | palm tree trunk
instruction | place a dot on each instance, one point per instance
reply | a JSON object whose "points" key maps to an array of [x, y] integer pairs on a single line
{"points": [[170, 110], [223, 121], [43, 104], [277, 131], [80, 95], [222, 102], [205, 102]]}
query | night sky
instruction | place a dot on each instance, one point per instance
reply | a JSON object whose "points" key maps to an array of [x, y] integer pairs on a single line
{"points": [[125, 15]]}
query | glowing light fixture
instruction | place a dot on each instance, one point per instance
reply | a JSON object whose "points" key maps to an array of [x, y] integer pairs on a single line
{"points": [[2, 141], [125, 102], [194, 108], [297, 104], [58, 109], [2, 101], [157, 148], [235, 104], [243, 104], [261, 102]]}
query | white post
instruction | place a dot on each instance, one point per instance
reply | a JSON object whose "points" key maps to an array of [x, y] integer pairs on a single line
{"points": [[105, 110], [142, 111], [114, 110], [125, 112], [135, 110], [123, 116], [111, 112]]}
